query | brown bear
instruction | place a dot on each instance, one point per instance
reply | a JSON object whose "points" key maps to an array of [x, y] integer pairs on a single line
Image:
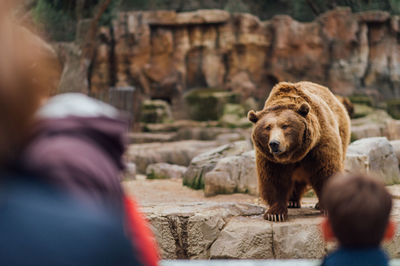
{"points": [[300, 138]]}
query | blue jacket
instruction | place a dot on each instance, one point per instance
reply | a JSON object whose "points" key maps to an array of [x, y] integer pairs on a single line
{"points": [[353, 257], [42, 226]]}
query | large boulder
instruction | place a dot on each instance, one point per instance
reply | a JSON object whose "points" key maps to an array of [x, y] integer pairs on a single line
{"points": [[205, 162], [396, 148], [375, 156], [180, 153], [187, 231], [299, 239], [164, 171], [233, 174], [393, 129], [203, 230], [374, 124], [243, 240], [189, 226], [368, 131]]}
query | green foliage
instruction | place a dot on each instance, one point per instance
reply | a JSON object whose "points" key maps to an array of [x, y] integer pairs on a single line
{"points": [[309, 194], [365, 5], [135, 4], [60, 26], [110, 13], [307, 10], [361, 99], [395, 6], [238, 6], [302, 11], [59, 17]]}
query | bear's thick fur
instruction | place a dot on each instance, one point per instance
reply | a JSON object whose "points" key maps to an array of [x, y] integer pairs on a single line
{"points": [[300, 138]]}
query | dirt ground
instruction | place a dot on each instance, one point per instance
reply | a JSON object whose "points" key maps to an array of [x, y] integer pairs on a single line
{"points": [[150, 192], [153, 192]]}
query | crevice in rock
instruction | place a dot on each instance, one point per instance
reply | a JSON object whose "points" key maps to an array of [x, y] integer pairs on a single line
{"points": [[219, 233], [272, 241], [392, 86], [368, 68], [225, 62], [180, 235], [217, 38]]}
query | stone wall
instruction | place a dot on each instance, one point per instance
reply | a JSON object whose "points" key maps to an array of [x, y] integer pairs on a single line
{"points": [[165, 53]]}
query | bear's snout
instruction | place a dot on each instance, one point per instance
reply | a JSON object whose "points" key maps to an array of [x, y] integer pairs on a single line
{"points": [[274, 145]]}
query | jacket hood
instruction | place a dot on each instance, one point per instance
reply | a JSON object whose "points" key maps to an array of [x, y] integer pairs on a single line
{"points": [[79, 116]]}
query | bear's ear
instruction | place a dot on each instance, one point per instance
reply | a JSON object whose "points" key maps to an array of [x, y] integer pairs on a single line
{"points": [[252, 116], [304, 109]]}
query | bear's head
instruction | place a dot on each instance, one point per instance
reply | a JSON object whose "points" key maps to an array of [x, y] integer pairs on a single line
{"points": [[280, 132]]}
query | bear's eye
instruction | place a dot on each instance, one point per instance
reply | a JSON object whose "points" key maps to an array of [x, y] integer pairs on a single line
{"points": [[285, 126], [268, 128]]}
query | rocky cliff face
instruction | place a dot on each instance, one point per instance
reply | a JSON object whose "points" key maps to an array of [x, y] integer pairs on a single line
{"points": [[165, 53]]}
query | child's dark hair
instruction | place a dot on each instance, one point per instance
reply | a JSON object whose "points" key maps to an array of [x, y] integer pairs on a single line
{"points": [[358, 208]]}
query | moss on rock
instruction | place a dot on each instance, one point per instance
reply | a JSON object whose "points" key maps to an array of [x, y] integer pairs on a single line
{"points": [[208, 104], [361, 99], [234, 116], [393, 108], [155, 111], [362, 110]]}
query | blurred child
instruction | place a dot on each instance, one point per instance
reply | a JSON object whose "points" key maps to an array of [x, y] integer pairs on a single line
{"points": [[40, 223], [358, 209]]}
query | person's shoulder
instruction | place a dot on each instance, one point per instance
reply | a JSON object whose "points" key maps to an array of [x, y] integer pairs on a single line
{"points": [[356, 256], [41, 220]]}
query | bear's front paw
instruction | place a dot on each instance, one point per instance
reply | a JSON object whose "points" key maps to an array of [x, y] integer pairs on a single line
{"points": [[275, 217], [276, 213], [294, 204]]}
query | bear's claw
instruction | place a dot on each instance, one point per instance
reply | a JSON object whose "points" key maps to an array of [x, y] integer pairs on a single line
{"points": [[275, 217], [294, 204]]}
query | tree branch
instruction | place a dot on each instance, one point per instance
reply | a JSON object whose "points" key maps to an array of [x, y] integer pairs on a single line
{"points": [[313, 7], [79, 9], [90, 41]]}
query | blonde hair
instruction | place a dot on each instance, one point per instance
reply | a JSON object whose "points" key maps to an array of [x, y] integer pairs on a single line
{"points": [[28, 72]]}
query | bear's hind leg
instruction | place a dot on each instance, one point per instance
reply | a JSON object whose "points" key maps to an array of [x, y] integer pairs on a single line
{"points": [[319, 179], [298, 190]]}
